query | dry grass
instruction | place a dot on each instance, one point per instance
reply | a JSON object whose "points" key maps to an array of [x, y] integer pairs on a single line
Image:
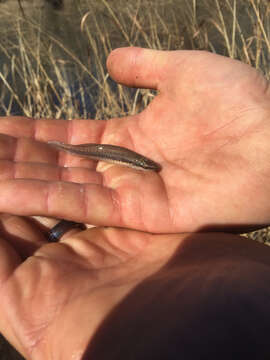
{"points": [[44, 76]]}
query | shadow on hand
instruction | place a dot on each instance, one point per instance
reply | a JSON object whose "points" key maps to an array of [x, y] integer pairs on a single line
{"points": [[210, 301]]}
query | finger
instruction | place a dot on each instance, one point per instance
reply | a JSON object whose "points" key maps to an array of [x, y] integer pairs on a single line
{"points": [[46, 223], [24, 170], [73, 131], [22, 233], [136, 200], [10, 259], [118, 132], [24, 149], [113, 131], [82, 203], [137, 67], [30, 151], [55, 230], [19, 238], [26, 158]]}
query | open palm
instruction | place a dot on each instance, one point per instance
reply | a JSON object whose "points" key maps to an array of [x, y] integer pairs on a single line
{"points": [[208, 127]]}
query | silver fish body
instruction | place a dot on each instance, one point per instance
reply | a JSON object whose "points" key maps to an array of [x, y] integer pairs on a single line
{"points": [[109, 153]]}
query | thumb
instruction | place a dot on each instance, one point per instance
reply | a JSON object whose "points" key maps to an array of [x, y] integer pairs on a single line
{"points": [[137, 67]]}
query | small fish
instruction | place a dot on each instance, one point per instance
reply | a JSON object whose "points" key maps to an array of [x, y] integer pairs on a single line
{"points": [[109, 153]]}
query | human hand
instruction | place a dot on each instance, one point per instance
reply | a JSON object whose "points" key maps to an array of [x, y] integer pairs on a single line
{"points": [[208, 127], [107, 290], [56, 295]]}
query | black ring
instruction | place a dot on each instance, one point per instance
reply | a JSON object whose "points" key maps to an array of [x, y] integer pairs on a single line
{"points": [[61, 228]]}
